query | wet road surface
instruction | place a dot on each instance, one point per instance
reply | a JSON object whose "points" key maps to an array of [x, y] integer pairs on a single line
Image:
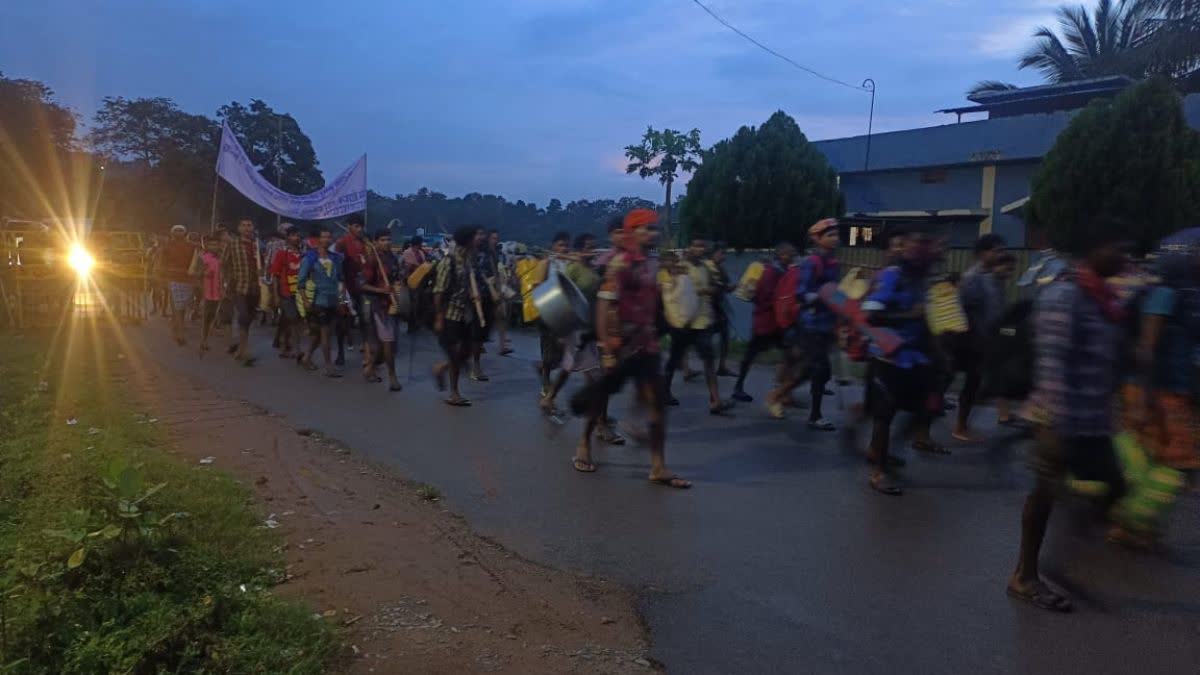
{"points": [[780, 560]]}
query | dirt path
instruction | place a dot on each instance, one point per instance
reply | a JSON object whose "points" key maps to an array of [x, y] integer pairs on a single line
{"points": [[417, 590]]}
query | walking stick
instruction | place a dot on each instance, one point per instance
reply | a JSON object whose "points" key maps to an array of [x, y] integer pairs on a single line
{"points": [[412, 348], [475, 297]]}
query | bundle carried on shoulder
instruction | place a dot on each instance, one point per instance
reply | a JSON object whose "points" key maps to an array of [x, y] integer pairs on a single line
{"points": [[530, 273], [749, 281], [681, 302]]}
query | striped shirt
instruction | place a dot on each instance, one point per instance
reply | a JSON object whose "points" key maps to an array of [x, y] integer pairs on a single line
{"points": [[1077, 350]]}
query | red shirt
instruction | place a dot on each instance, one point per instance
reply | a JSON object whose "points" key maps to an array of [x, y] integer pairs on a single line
{"points": [[286, 266], [630, 283], [353, 251], [176, 257], [762, 318]]}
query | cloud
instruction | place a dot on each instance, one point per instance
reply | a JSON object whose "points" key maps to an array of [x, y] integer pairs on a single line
{"points": [[1013, 34]]}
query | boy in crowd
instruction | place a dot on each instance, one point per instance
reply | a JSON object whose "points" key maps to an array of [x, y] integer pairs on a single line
{"points": [[284, 273], [324, 269]]}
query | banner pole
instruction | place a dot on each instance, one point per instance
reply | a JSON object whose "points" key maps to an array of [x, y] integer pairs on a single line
{"points": [[212, 221]]}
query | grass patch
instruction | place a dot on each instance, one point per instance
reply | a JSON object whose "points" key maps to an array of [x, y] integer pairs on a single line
{"points": [[119, 558], [428, 492]]}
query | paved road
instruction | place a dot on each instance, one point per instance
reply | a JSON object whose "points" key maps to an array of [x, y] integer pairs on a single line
{"points": [[781, 560]]}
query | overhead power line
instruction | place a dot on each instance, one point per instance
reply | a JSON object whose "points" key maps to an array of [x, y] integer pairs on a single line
{"points": [[774, 53]]}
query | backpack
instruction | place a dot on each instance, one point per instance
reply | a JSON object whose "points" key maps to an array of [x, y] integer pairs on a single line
{"points": [[749, 281], [787, 305]]}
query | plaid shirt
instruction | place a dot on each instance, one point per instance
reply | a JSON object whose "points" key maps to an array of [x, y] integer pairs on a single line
{"points": [[455, 287], [1076, 368], [239, 264]]}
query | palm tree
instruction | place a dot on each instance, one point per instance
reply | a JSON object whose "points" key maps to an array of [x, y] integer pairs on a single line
{"points": [[990, 87], [1136, 38], [1096, 46], [664, 154]]}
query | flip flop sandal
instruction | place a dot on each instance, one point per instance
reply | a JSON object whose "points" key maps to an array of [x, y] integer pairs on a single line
{"points": [[722, 409], [583, 467], [506, 351], [249, 362], [373, 379], [776, 411], [1040, 595], [481, 378], [930, 447], [882, 485], [458, 403], [672, 482], [395, 387], [611, 438], [333, 374]]}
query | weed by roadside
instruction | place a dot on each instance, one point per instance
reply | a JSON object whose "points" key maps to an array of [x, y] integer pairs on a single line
{"points": [[116, 557], [428, 492]]}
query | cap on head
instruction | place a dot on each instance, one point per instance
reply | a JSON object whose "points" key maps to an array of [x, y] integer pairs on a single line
{"points": [[178, 229], [822, 226], [639, 218]]}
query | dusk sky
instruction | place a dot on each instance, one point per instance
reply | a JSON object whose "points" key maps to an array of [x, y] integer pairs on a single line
{"points": [[529, 99]]}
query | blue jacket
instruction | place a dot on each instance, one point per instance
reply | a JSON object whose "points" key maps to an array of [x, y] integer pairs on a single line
{"points": [[815, 272], [326, 285]]}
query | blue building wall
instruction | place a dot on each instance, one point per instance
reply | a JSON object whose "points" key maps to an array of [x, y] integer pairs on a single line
{"points": [[905, 191], [1013, 145], [1012, 183]]}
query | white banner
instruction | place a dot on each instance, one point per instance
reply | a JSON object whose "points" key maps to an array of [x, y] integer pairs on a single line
{"points": [[345, 194]]}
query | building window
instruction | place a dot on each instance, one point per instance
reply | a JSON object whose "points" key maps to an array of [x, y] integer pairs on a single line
{"points": [[931, 176]]}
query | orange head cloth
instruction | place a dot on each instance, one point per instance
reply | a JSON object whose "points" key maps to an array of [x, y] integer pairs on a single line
{"points": [[639, 218], [821, 227]]}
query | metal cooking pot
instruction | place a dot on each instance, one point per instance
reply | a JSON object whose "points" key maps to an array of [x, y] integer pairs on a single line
{"points": [[561, 305]]}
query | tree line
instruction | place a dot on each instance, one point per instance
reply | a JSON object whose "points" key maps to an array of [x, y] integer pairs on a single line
{"points": [[145, 163]]}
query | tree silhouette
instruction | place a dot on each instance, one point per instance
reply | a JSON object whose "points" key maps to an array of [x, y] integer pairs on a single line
{"points": [[664, 155]]}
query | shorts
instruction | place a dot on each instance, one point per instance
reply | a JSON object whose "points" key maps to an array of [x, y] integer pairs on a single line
{"points": [[320, 316], [581, 354], [288, 309], [456, 336], [1089, 458], [701, 340], [489, 311], [961, 353], [181, 295], [891, 389], [552, 347], [385, 326], [245, 307], [642, 367], [816, 347], [210, 312]]}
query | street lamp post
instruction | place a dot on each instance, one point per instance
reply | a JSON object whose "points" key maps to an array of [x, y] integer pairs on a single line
{"points": [[869, 85]]}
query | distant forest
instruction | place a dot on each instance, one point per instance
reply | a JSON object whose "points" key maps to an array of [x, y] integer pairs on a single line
{"points": [[435, 212], [146, 164]]}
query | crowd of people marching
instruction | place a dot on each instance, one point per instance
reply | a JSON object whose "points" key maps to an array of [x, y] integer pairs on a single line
{"points": [[1096, 360]]}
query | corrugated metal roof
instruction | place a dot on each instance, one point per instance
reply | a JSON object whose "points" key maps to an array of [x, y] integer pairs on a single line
{"points": [[1025, 137], [1110, 83]]}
